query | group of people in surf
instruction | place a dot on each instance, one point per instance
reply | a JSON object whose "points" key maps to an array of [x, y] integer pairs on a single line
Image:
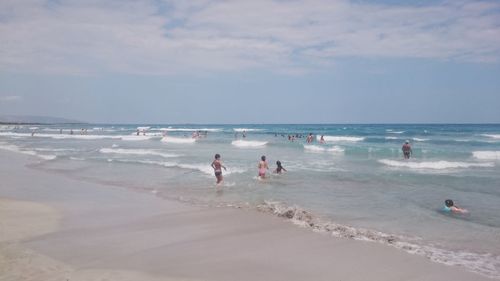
{"points": [[263, 167]]}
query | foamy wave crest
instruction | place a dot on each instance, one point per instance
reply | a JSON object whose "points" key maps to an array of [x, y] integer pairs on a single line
{"points": [[391, 138], [204, 168], [494, 136], [244, 143], [436, 165], [395, 132], [60, 136], [78, 136], [137, 152], [247, 130], [486, 155], [136, 138], [317, 148], [419, 139], [340, 138], [17, 149], [485, 264], [187, 129], [178, 140]]}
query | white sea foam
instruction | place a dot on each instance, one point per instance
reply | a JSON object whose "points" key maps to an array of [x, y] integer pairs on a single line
{"points": [[245, 143], [434, 165], [137, 152], [204, 168], [60, 136], [135, 138], [340, 138], [391, 138], [485, 264], [77, 136], [486, 155], [396, 132], [56, 149], [494, 136], [14, 148], [247, 130], [169, 139], [317, 148], [187, 129], [419, 139]]}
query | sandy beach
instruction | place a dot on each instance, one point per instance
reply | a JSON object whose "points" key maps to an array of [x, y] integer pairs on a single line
{"points": [[59, 228]]}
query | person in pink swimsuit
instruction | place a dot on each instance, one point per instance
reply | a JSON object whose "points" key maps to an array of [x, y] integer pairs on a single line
{"points": [[263, 167]]}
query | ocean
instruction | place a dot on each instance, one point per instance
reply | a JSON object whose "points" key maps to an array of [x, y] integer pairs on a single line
{"points": [[356, 184]]}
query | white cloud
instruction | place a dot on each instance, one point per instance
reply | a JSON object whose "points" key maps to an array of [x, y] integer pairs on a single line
{"points": [[180, 36]]}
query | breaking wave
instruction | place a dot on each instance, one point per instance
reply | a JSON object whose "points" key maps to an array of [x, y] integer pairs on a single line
{"points": [[137, 152], [244, 143], [485, 264], [434, 165], [317, 148], [340, 138], [178, 140], [486, 155]]}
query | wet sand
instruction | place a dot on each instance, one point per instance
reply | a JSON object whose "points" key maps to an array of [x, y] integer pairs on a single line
{"points": [[57, 228]]}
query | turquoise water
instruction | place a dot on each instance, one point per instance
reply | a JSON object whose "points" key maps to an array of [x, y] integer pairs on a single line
{"points": [[357, 178]]}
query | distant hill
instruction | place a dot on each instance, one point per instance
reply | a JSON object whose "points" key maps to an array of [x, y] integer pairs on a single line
{"points": [[35, 119]]}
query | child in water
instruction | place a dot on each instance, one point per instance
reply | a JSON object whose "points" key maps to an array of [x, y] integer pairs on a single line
{"points": [[279, 168], [263, 167], [449, 206], [217, 166]]}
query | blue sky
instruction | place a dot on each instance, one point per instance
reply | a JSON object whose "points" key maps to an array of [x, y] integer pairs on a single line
{"points": [[251, 61]]}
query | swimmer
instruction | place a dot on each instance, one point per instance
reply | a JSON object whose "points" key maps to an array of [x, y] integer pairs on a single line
{"points": [[217, 165], [449, 206], [263, 167], [309, 138], [322, 139], [407, 152], [279, 168]]}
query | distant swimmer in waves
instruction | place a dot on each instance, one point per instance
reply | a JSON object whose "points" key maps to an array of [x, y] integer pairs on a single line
{"points": [[322, 139], [450, 207], [263, 167], [279, 168], [309, 138], [217, 166], [407, 152]]}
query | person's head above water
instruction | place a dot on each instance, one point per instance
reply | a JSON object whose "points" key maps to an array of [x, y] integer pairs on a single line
{"points": [[263, 158], [217, 156], [278, 163], [407, 141], [448, 203]]}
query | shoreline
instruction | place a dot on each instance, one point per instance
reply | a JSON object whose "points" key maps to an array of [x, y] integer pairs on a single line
{"points": [[115, 233]]}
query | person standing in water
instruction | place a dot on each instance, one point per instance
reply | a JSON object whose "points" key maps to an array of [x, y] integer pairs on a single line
{"points": [[407, 152], [217, 166], [263, 167], [309, 138]]}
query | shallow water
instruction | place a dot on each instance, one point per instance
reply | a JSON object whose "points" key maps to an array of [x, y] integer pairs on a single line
{"points": [[356, 178]]}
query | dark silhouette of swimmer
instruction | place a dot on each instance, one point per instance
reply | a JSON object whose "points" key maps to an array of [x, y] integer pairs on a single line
{"points": [[279, 168], [407, 152]]}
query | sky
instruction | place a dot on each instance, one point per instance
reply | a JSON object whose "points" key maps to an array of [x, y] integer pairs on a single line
{"points": [[259, 61]]}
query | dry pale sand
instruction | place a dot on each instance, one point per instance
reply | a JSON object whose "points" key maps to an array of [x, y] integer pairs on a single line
{"points": [[57, 228]]}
